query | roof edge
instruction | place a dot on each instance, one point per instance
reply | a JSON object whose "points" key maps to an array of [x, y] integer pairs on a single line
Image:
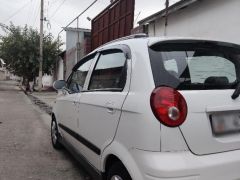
{"points": [[173, 8], [77, 29]]}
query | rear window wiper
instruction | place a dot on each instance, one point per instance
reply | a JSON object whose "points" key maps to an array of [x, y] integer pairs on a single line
{"points": [[237, 90]]}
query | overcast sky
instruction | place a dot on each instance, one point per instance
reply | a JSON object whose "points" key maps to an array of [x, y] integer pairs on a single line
{"points": [[60, 12]]}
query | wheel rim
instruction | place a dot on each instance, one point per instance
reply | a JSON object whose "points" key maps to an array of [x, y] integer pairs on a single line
{"points": [[54, 132], [116, 177]]}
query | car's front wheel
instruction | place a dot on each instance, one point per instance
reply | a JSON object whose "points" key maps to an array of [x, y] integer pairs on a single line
{"points": [[118, 172], [55, 135]]}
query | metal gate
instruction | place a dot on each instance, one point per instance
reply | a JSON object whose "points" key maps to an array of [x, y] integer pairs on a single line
{"points": [[113, 22]]}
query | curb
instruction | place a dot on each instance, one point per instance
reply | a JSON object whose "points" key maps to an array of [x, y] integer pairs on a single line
{"points": [[42, 105]]}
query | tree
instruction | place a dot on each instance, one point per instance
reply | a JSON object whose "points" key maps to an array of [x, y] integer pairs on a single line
{"points": [[20, 50]]}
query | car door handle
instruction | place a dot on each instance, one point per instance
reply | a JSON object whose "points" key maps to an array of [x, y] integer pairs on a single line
{"points": [[74, 103], [110, 109]]}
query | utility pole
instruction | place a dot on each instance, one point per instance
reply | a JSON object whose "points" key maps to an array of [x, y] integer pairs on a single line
{"points": [[41, 48], [166, 17], [78, 42]]}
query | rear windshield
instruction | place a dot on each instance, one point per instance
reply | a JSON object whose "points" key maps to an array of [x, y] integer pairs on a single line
{"points": [[195, 65]]}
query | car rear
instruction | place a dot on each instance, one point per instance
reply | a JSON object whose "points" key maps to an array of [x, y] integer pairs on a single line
{"points": [[196, 98], [196, 81]]}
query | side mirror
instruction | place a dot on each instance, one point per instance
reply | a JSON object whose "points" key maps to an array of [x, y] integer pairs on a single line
{"points": [[59, 84]]}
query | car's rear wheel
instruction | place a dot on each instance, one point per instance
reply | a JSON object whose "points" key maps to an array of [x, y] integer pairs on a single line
{"points": [[118, 172], [55, 135]]}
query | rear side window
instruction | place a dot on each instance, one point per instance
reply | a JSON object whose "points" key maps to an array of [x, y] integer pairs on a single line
{"points": [[200, 65], [109, 72]]}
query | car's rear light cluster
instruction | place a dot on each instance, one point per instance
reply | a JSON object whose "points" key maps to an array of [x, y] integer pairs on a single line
{"points": [[168, 106]]}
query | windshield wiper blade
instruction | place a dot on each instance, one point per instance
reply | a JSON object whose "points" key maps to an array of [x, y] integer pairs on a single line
{"points": [[237, 90]]}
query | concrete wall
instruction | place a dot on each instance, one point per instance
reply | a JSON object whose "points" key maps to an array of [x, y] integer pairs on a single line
{"points": [[47, 80], [72, 38], [215, 19], [2, 75], [71, 47]]}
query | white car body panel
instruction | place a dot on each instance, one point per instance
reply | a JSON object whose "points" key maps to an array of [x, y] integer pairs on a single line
{"points": [[137, 114], [197, 128], [66, 110], [100, 127], [123, 124], [117, 149], [187, 166]]}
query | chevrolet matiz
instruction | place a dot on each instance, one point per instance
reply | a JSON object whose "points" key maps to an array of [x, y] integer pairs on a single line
{"points": [[141, 108]]}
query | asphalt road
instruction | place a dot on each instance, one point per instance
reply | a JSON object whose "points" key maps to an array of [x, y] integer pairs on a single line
{"points": [[25, 146]]}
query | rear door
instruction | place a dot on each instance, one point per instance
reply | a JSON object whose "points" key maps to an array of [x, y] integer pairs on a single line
{"points": [[206, 74], [100, 105]]}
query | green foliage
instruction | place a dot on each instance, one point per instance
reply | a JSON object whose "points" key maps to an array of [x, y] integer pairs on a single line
{"points": [[20, 50]]}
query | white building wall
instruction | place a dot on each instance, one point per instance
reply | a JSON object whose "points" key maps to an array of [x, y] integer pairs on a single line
{"points": [[72, 38], [71, 48], [47, 80], [215, 19], [60, 70], [2, 75]]}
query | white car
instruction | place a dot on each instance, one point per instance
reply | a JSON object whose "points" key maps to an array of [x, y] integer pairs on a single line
{"points": [[142, 108]]}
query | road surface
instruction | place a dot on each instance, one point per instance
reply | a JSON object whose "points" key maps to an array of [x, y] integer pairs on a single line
{"points": [[25, 147]]}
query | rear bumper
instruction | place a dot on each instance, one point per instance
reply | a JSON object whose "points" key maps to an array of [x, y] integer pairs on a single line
{"points": [[187, 166]]}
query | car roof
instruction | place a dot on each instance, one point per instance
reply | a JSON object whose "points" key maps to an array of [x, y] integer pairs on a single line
{"points": [[149, 41], [153, 40]]}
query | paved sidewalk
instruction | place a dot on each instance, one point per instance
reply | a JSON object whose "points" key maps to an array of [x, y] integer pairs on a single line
{"points": [[46, 97], [26, 152], [44, 100]]}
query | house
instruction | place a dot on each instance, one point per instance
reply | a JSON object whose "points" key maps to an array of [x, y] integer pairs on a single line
{"points": [[77, 45], [215, 19]]}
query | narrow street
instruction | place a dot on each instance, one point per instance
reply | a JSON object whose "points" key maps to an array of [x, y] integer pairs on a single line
{"points": [[25, 147]]}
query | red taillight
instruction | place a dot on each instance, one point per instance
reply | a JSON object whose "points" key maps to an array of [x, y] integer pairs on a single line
{"points": [[168, 106]]}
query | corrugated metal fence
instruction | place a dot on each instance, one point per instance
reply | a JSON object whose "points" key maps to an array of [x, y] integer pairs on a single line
{"points": [[114, 22]]}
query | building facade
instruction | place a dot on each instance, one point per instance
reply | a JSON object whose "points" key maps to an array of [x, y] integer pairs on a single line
{"points": [[77, 46], [214, 19]]}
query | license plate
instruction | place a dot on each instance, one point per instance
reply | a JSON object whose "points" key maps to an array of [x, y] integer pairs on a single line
{"points": [[225, 123]]}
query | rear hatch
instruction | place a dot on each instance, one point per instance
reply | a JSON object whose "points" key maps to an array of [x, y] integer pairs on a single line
{"points": [[206, 73]]}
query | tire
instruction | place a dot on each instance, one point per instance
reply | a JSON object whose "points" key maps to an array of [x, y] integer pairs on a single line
{"points": [[118, 172], [55, 135]]}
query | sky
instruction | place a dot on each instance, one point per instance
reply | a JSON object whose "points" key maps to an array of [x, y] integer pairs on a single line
{"points": [[59, 13]]}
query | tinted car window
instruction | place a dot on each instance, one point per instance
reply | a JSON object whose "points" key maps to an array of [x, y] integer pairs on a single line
{"points": [[109, 72], [196, 65], [77, 79]]}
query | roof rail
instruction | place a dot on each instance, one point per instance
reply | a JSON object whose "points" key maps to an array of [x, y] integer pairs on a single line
{"points": [[133, 36]]}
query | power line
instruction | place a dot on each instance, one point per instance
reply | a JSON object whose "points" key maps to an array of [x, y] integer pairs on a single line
{"points": [[53, 2], [29, 11], [15, 13], [35, 20], [35, 13], [137, 16], [53, 14], [78, 15], [4, 26]]}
